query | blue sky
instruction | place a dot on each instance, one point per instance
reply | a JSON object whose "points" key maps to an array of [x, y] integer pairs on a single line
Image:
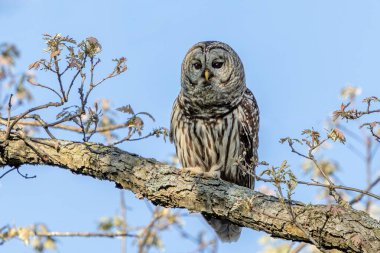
{"points": [[297, 57]]}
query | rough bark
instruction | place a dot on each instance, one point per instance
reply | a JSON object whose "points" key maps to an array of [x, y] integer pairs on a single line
{"points": [[332, 227]]}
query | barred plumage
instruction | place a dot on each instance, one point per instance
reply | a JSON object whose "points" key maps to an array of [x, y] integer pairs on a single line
{"points": [[215, 121]]}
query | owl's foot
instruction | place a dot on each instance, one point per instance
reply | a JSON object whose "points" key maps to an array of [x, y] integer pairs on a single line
{"points": [[212, 174], [199, 172], [192, 171]]}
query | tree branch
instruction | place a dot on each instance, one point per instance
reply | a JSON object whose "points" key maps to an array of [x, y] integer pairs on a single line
{"points": [[333, 227], [84, 234]]}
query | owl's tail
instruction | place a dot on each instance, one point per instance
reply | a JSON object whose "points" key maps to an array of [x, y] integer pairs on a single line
{"points": [[226, 231]]}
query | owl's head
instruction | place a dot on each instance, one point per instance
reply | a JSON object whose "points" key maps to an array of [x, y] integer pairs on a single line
{"points": [[212, 78]]}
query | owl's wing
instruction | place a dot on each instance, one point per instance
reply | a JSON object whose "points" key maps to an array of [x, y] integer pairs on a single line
{"points": [[249, 139], [173, 120]]}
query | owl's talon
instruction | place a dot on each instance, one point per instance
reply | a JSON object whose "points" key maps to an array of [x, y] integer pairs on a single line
{"points": [[212, 174], [192, 171], [198, 173]]}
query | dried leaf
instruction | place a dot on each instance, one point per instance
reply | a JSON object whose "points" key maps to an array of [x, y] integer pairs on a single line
{"points": [[37, 244], [35, 65], [55, 53], [43, 228], [350, 92], [105, 224], [49, 244], [91, 46], [24, 234], [126, 109], [265, 172], [32, 80], [337, 135], [138, 122], [371, 99]]}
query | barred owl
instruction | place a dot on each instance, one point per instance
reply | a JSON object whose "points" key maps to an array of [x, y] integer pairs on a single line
{"points": [[215, 121]]}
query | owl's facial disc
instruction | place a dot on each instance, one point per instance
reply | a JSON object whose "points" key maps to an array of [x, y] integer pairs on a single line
{"points": [[208, 69], [212, 75]]}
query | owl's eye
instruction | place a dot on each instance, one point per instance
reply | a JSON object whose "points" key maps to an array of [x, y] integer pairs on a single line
{"points": [[217, 64], [197, 65]]}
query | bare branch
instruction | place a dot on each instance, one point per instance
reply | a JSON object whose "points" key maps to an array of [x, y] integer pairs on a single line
{"points": [[336, 227], [22, 115], [328, 186], [311, 157], [68, 127], [84, 234], [365, 192]]}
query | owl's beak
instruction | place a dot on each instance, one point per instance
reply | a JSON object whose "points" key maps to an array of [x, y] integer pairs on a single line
{"points": [[207, 74]]}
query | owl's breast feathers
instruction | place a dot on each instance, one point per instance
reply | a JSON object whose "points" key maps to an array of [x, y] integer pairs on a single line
{"points": [[226, 143]]}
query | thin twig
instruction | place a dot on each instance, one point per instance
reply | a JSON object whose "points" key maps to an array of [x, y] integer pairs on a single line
{"points": [[9, 110], [362, 194], [84, 234], [8, 171], [43, 124], [68, 127], [288, 206], [310, 157], [123, 209], [59, 76], [76, 74], [368, 163], [300, 247], [25, 175], [148, 230], [20, 116], [128, 138], [341, 187], [46, 87]]}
